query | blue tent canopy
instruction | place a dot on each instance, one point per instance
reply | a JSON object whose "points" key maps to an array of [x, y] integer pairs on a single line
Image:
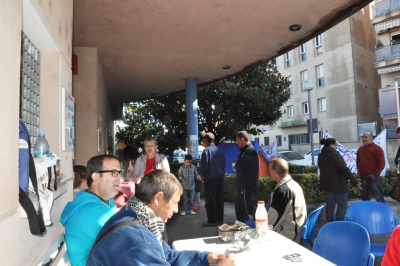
{"points": [[232, 151]]}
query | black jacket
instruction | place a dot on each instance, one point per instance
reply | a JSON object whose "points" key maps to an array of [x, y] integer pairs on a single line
{"points": [[247, 169], [396, 160], [334, 174]]}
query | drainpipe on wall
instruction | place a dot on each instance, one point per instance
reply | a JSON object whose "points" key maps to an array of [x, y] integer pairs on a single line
{"points": [[396, 87]]}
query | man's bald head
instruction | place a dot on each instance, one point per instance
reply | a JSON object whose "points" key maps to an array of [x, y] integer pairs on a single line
{"points": [[278, 169]]}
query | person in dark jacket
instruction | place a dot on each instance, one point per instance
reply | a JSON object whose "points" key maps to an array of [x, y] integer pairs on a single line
{"points": [[396, 160], [334, 178], [213, 170], [138, 241], [246, 167]]}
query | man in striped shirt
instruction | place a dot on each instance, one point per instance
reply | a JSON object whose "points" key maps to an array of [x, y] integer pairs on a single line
{"points": [[187, 173]]}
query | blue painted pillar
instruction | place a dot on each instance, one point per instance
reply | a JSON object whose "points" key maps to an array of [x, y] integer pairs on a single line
{"points": [[192, 127]]}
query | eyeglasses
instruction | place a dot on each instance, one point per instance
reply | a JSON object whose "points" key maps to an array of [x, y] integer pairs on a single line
{"points": [[114, 173]]}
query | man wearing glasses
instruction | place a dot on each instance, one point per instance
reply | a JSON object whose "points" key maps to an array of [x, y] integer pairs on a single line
{"points": [[89, 211]]}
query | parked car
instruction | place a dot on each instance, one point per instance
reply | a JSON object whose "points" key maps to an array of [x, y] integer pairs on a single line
{"points": [[176, 155], [307, 155], [294, 158], [181, 157]]}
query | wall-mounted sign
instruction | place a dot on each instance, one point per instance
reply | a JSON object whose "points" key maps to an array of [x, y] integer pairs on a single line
{"points": [[68, 121], [286, 123]]}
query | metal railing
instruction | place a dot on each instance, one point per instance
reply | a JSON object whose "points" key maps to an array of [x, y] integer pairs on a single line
{"points": [[391, 131], [388, 52], [385, 7]]}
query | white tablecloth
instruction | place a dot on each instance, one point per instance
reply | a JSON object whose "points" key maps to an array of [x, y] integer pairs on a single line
{"points": [[267, 252]]}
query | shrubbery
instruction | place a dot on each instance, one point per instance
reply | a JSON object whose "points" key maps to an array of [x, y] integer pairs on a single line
{"points": [[307, 178]]}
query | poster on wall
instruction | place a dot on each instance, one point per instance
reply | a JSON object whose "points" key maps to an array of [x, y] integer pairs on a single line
{"points": [[68, 121]]}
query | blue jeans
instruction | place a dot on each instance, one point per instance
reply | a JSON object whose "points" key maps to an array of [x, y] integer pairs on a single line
{"points": [[196, 198], [333, 199], [374, 185], [188, 199]]}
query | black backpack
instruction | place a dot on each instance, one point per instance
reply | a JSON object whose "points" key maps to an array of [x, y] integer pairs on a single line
{"points": [[27, 171]]}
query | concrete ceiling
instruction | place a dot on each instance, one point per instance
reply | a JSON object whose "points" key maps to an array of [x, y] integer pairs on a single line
{"points": [[149, 47]]}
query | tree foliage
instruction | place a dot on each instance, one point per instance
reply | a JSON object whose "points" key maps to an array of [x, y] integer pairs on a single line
{"points": [[242, 102]]}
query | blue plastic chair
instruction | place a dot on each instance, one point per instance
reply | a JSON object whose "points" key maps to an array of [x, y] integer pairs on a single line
{"points": [[252, 223], [309, 226], [267, 205], [378, 218], [344, 243]]}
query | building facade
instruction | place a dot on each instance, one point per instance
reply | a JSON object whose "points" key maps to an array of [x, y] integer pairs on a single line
{"points": [[340, 62], [36, 74], [386, 20]]}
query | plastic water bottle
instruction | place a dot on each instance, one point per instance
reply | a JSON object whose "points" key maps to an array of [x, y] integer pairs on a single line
{"points": [[262, 219], [41, 146]]}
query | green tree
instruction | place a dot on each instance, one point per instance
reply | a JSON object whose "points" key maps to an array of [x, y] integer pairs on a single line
{"points": [[144, 118], [241, 102]]}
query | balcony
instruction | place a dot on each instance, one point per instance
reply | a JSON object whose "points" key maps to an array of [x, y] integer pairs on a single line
{"points": [[385, 7], [388, 52]]}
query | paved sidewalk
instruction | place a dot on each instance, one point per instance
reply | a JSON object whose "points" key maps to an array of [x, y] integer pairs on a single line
{"points": [[189, 226]]}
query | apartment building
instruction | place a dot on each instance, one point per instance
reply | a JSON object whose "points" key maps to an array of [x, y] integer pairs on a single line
{"points": [[386, 20], [340, 62]]}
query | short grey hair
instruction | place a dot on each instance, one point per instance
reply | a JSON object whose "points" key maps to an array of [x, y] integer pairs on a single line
{"points": [[156, 181], [209, 136]]}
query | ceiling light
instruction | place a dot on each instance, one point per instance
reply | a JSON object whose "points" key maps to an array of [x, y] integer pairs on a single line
{"points": [[226, 67], [294, 27]]}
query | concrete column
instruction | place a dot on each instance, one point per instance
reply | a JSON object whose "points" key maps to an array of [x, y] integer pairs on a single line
{"points": [[191, 117]]}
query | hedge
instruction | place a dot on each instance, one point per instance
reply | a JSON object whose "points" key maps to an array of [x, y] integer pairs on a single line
{"points": [[308, 181], [307, 178]]}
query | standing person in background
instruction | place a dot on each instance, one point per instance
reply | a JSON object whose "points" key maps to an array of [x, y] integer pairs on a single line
{"points": [[150, 161], [80, 181], [334, 179], [213, 170], [396, 160], [130, 154], [246, 167], [370, 163], [187, 174], [125, 163], [198, 188]]}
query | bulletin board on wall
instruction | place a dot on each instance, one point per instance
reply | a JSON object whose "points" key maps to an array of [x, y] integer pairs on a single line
{"points": [[68, 121]]}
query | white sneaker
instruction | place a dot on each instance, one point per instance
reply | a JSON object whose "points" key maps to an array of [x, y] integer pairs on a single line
{"points": [[183, 213], [192, 212]]}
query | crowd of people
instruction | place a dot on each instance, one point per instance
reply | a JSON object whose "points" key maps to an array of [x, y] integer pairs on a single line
{"points": [[138, 229]]}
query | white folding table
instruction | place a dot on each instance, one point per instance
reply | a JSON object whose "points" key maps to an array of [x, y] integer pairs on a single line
{"points": [[266, 252]]}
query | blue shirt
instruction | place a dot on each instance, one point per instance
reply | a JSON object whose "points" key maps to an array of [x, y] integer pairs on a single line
{"points": [[83, 218], [212, 163]]}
